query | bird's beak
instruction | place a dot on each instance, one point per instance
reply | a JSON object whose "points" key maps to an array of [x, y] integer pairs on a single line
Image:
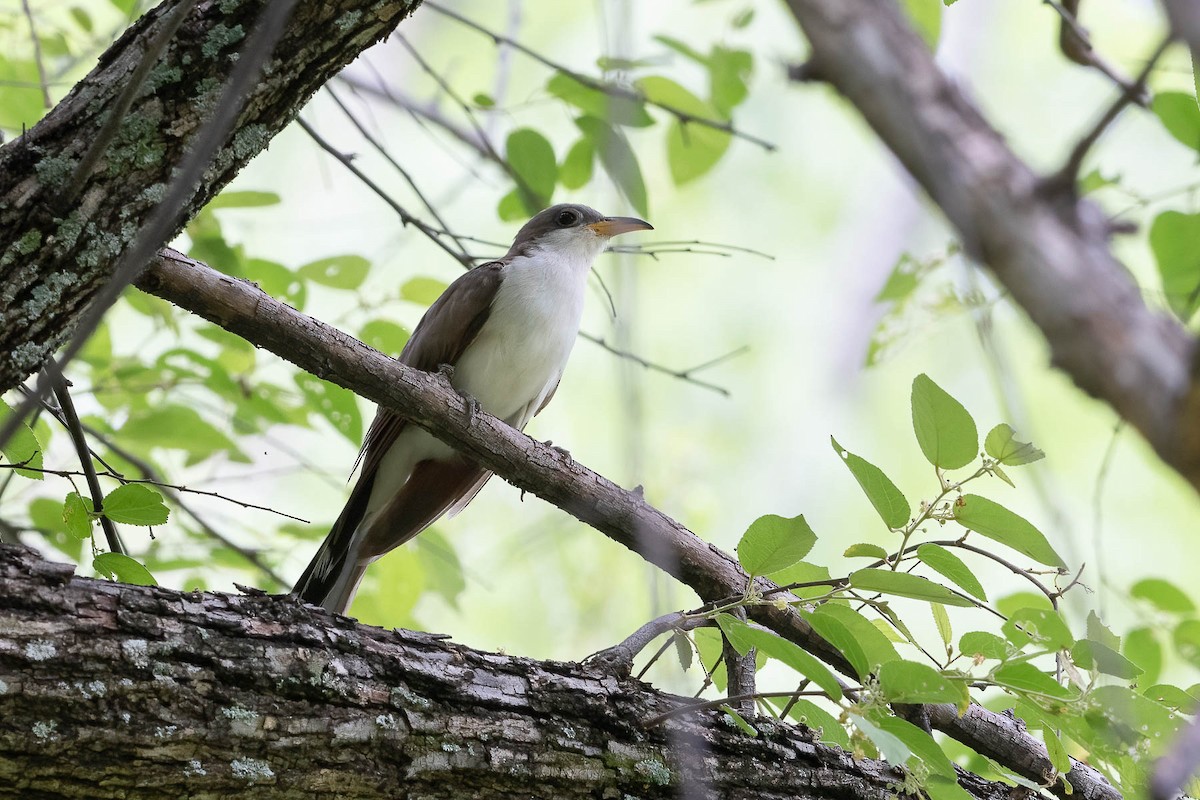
{"points": [[611, 226]]}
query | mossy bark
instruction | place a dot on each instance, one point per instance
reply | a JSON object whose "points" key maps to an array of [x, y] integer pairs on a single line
{"points": [[55, 255]]}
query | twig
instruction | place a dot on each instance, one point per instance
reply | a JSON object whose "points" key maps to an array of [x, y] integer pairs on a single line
{"points": [[162, 219], [721, 701], [58, 384], [1065, 178], [683, 374], [684, 245], [405, 217], [1097, 511], [37, 55], [531, 197], [1076, 44], [610, 89], [408, 178], [618, 659], [116, 117]]}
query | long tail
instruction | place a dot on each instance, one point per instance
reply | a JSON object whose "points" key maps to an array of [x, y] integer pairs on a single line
{"points": [[332, 577]]}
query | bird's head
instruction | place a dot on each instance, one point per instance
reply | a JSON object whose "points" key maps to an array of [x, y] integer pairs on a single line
{"points": [[572, 231]]}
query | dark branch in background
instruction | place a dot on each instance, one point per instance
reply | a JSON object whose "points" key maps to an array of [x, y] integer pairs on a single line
{"points": [[405, 217], [611, 89], [165, 217], [408, 178], [37, 55], [1065, 179], [429, 401], [58, 384], [1076, 44], [1050, 252]]}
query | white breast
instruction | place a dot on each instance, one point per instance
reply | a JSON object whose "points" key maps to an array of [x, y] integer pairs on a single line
{"points": [[520, 353]]}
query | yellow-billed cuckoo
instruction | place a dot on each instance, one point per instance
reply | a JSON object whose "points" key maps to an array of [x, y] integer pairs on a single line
{"points": [[506, 328]]}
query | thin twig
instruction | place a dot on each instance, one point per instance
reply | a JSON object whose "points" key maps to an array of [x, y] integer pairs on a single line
{"points": [[37, 55], [723, 701], [1065, 178], [58, 384], [405, 217], [683, 374], [408, 178], [1097, 512], [613, 90], [427, 112], [1076, 44], [682, 245]]}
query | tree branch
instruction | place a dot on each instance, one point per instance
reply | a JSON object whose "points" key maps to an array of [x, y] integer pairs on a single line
{"points": [[1051, 252], [429, 401], [146, 691]]}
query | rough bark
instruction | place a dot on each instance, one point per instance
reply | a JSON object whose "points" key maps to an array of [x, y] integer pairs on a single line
{"points": [[114, 691], [1049, 248], [624, 516], [53, 258]]}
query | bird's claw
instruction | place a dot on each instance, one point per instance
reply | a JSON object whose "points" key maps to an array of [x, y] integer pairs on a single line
{"points": [[470, 404], [564, 451]]}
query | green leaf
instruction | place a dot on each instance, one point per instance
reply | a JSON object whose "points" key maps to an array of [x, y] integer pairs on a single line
{"points": [[82, 18], [483, 100], [276, 280], [1175, 241], [1041, 625], [937, 786], [22, 447], [772, 543], [865, 550], [513, 208], [1142, 648], [692, 150], [77, 514], [20, 98], [982, 643], [1163, 595], [1172, 697], [576, 168], [890, 746], [803, 572], [46, 516], [1187, 641], [135, 504], [920, 743], [385, 336], [902, 584], [942, 620], [337, 272], [422, 291], [1059, 759], [531, 157], [926, 19], [683, 651], [910, 682], [243, 200], [738, 720], [1097, 631], [339, 406], [817, 718], [119, 567], [1006, 527], [618, 110], [1102, 658], [863, 644], [1012, 603], [888, 501], [945, 431], [618, 159], [1002, 445], [1179, 115], [744, 636], [1024, 677], [1096, 180], [182, 428], [729, 71], [951, 567]]}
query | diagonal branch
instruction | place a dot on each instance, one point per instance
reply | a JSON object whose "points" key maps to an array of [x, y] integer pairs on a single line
{"points": [[429, 401], [1050, 252]]}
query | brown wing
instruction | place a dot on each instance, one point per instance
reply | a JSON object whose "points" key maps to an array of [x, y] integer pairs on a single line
{"points": [[450, 324]]}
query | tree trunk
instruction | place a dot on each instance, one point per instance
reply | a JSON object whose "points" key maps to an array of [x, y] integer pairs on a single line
{"points": [[115, 691], [62, 234]]}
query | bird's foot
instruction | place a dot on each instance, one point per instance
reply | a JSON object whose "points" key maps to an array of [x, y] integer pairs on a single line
{"points": [[470, 404], [562, 450], [447, 372]]}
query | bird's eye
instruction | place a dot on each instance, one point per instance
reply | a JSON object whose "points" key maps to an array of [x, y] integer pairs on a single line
{"points": [[566, 219]]}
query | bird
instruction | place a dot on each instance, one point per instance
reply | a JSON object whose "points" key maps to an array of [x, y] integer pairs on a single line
{"points": [[502, 332]]}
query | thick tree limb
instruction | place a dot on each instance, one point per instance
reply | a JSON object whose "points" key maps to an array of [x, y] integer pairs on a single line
{"points": [[1048, 248], [148, 692], [53, 262], [429, 401]]}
